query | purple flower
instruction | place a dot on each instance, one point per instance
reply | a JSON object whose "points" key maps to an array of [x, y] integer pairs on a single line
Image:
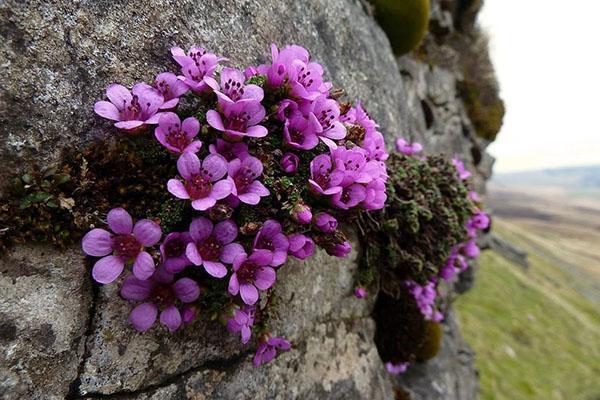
{"points": [[375, 195], [243, 175], [325, 222], [474, 196], [425, 298], [396, 369], [374, 145], [172, 251], [234, 89], [229, 150], [340, 250], [171, 88], [242, 321], [470, 249], [126, 243], [325, 178], [251, 274], [355, 166], [267, 351], [132, 110], [178, 137], [203, 184], [362, 118], [271, 238], [326, 113], [406, 148], [286, 108], [301, 246], [463, 173], [300, 133], [306, 80], [350, 196], [197, 67], [188, 314], [289, 163], [282, 63], [301, 214], [160, 292], [479, 220], [360, 292], [239, 119], [212, 245]]}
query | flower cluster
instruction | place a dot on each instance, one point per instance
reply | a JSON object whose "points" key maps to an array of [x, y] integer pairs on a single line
{"points": [[268, 159]]}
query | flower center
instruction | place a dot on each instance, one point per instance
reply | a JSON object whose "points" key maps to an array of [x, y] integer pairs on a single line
{"points": [[265, 243], [176, 137], [163, 295], [209, 249], [175, 248], [126, 246], [238, 122], [296, 135], [198, 187], [243, 178], [234, 89], [246, 272], [325, 118]]}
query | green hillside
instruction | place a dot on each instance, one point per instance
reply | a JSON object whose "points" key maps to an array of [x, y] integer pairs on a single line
{"points": [[535, 333]]}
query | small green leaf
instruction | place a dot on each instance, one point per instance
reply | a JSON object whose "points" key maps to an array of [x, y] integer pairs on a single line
{"points": [[27, 178], [61, 178]]}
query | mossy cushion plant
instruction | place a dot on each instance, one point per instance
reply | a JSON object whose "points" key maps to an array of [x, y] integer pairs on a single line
{"points": [[404, 21]]}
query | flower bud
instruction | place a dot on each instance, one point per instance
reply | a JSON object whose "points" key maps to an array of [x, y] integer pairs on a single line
{"points": [[325, 222], [220, 212], [289, 163], [188, 314], [301, 246], [339, 249], [301, 214], [360, 292]]}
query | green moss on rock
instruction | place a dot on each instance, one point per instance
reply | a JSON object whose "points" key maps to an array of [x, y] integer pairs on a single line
{"points": [[404, 21]]}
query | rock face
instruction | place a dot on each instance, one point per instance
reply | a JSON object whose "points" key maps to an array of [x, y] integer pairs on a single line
{"points": [[61, 336]]}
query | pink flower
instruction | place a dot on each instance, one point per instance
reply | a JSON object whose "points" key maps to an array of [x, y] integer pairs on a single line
{"points": [[340, 250], [159, 293], [397, 369], [301, 214], [301, 246], [203, 183], [212, 245], [229, 150], [289, 163], [127, 244], [171, 88], [360, 292], [325, 177], [406, 148], [325, 223], [178, 137], [463, 173], [238, 119], [242, 321], [271, 238], [132, 110], [172, 251], [197, 67], [267, 351], [244, 174], [300, 133], [233, 88], [251, 274]]}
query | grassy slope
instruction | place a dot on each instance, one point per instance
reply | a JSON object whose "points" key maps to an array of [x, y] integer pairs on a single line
{"points": [[536, 336]]}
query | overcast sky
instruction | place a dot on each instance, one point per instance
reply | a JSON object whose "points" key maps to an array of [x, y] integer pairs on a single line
{"points": [[547, 57]]}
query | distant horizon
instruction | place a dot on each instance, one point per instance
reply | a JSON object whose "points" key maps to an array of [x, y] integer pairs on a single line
{"points": [[550, 168]]}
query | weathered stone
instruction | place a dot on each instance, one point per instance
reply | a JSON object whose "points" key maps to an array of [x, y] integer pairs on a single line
{"points": [[44, 310]]}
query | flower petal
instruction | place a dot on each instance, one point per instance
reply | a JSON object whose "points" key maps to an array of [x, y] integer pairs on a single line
{"points": [[203, 204], [188, 165], [107, 269], [97, 243], [214, 120], [107, 110], [177, 189], [265, 278], [129, 125], [190, 126], [171, 318], [186, 290], [147, 232], [200, 229], [225, 231], [119, 95], [143, 267], [215, 165], [231, 251], [221, 189], [234, 286], [191, 252], [257, 131], [214, 268], [119, 221], [135, 289], [143, 316], [249, 293]]}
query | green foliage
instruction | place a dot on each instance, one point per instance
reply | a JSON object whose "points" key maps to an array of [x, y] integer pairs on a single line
{"points": [[486, 112], [404, 21]]}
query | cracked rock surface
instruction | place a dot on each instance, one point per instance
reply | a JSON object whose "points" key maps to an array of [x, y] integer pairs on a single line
{"points": [[61, 336]]}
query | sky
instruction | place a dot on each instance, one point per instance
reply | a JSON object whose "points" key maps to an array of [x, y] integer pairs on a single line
{"points": [[547, 58]]}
